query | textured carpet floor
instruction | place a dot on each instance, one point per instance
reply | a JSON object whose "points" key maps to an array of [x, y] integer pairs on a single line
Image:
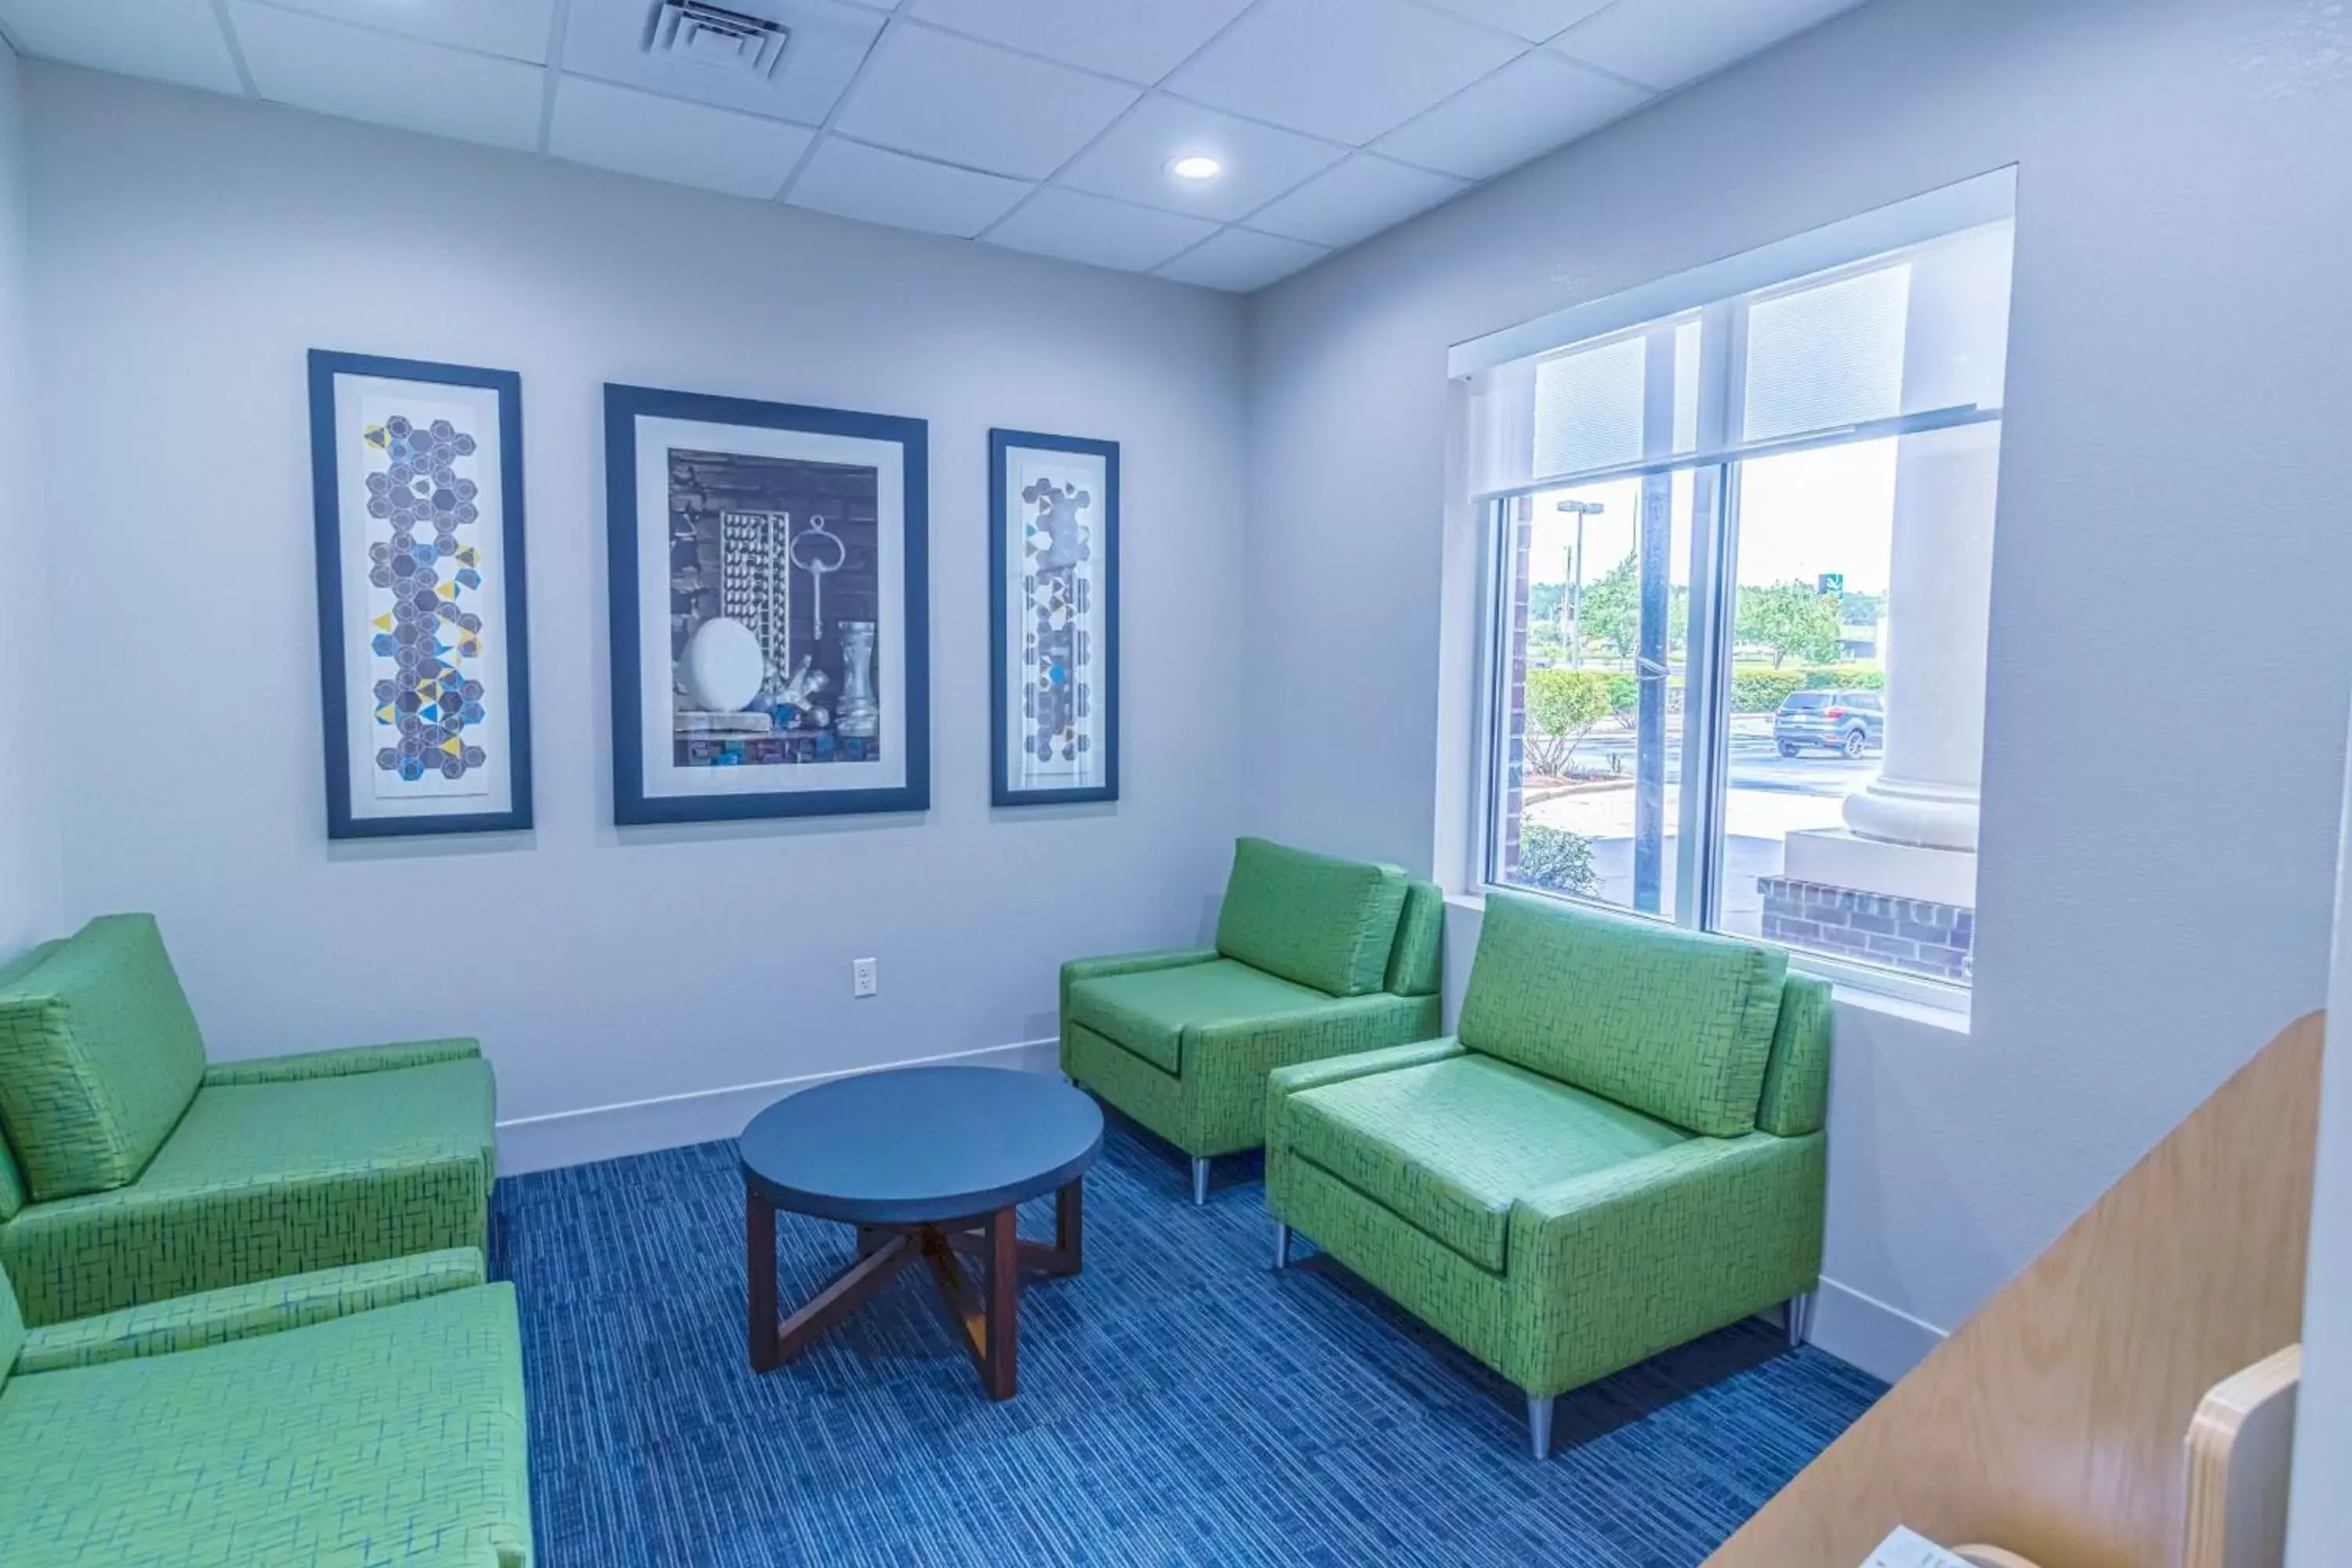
{"points": [[1180, 1401]]}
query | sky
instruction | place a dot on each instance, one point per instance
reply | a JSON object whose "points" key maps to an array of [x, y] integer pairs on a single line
{"points": [[1801, 514]]}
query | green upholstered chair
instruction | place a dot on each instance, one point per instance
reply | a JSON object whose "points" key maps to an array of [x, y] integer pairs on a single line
{"points": [[1620, 1149], [1315, 957], [372, 1414], [132, 1171]]}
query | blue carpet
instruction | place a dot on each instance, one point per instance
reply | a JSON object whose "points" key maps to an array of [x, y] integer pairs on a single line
{"points": [[1180, 1403]]}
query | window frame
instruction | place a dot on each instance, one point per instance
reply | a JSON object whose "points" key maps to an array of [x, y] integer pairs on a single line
{"points": [[1715, 467]]}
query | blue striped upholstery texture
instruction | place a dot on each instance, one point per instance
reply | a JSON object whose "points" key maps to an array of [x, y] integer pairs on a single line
{"points": [[1180, 1401]]}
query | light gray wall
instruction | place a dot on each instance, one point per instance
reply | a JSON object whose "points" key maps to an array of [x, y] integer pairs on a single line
{"points": [[2164, 743], [28, 822], [192, 248]]}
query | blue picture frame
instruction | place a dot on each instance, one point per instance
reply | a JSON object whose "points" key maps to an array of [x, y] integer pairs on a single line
{"points": [[349, 816], [647, 785], [1090, 712]]}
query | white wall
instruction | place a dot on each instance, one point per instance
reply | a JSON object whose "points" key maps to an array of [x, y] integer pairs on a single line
{"points": [[28, 822], [2160, 782], [192, 248]]}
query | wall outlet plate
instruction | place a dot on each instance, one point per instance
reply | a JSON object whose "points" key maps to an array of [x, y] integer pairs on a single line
{"points": [[864, 977]]}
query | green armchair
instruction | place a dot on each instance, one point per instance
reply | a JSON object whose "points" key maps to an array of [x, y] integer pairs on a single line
{"points": [[1621, 1149], [363, 1413], [1316, 957], [132, 1171]]}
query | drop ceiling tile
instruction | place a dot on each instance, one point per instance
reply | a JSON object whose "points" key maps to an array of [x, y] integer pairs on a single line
{"points": [[1141, 40], [608, 39], [1355, 201], [1666, 43], [1241, 260], [1535, 103], [1346, 69], [1261, 163], [169, 41], [853, 180], [1534, 20], [1081, 227], [515, 28], [319, 65], [938, 96], [669, 138]]}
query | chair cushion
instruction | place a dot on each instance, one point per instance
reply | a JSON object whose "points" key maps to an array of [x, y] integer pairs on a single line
{"points": [[267, 1179], [393, 1436], [1148, 1012], [98, 1057], [1450, 1146], [1312, 919], [1670, 1022]]}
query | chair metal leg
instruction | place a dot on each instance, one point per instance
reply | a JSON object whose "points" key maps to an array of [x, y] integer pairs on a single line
{"points": [[1797, 1314], [1281, 1245], [1539, 1425], [1200, 1181]]}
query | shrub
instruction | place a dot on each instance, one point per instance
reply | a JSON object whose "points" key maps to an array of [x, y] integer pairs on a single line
{"points": [[1562, 707], [1759, 689], [1556, 858]]}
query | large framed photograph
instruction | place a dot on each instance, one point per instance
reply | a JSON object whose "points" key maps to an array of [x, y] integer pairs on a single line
{"points": [[1053, 617], [770, 650], [416, 474]]}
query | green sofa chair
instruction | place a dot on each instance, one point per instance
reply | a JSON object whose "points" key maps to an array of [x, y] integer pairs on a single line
{"points": [[1620, 1149], [1316, 957], [132, 1172], [366, 1415]]}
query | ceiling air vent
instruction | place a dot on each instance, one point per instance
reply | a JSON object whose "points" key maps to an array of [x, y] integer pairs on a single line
{"points": [[718, 39]]}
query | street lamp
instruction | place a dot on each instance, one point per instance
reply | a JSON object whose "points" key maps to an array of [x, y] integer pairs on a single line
{"points": [[1582, 510]]}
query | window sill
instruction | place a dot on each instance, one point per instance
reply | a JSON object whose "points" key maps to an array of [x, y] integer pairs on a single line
{"points": [[1849, 988]]}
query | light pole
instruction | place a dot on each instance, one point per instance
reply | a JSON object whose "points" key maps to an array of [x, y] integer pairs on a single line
{"points": [[1582, 510]]}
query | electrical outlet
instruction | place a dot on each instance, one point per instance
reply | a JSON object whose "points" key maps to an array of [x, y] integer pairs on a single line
{"points": [[864, 977]]}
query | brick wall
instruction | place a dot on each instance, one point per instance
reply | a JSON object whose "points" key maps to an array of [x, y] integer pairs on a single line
{"points": [[1910, 934]]}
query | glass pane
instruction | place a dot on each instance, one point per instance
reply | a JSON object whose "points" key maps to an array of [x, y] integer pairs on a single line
{"points": [[1589, 407], [1857, 699], [1593, 660]]}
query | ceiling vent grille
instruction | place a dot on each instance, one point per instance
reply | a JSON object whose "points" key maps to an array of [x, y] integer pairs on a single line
{"points": [[718, 39]]}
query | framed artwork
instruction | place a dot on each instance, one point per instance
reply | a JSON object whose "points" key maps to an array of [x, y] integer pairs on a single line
{"points": [[770, 644], [424, 674], [1053, 523]]}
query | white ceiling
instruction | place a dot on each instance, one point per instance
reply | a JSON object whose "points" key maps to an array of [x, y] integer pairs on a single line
{"points": [[1039, 125]]}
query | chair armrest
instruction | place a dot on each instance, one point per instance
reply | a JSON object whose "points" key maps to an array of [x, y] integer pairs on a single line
{"points": [[1288, 1081], [243, 1312], [341, 1063], [1077, 969], [1607, 1269]]}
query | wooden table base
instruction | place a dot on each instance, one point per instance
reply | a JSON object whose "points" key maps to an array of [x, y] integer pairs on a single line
{"points": [[985, 1320]]}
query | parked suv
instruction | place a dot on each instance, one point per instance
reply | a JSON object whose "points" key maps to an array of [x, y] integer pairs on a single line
{"points": [[1848, 721]]}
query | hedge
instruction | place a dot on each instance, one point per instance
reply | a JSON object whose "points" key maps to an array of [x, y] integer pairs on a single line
{"points": [[1761, 688], [1557, 859]]}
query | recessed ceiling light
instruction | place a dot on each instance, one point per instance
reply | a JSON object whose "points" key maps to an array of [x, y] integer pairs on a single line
{"points": [[1198, 166]]}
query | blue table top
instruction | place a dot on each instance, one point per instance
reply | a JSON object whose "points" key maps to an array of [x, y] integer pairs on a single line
{"points": [[920, 1144]]}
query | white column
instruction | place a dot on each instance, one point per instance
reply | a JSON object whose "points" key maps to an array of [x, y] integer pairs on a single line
{"points": [[1939, 595]]}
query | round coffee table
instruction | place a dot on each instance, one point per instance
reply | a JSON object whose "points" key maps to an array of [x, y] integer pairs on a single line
{"points": [[929, 1163]]}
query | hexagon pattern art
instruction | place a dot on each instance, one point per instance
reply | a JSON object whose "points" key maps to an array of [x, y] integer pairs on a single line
{"points": [[1058, 654], [425, 569]]}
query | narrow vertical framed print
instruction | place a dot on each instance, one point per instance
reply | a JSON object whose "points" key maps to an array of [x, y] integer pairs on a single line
{"points": [[423, 662], [770, 641], [1052, 517]]}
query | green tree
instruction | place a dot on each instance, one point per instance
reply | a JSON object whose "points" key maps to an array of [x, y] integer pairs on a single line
{"points": [[1543, 602], [1563, 705], [1858, 609], [1612, 608], [1787, 619]]}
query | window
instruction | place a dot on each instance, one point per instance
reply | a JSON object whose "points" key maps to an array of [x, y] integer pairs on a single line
{"points": [[1740, 567]]}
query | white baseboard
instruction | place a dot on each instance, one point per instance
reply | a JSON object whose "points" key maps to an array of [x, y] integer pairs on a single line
{"points": [[1885, 1341], [638, 1127]]}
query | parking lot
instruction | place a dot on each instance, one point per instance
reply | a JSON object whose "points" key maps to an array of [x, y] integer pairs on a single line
{"points": [[1770, 796]]}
